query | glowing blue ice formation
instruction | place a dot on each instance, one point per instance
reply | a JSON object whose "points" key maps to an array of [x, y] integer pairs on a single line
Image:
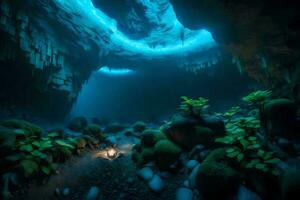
{"points": [[115, 72], [168, 37]]}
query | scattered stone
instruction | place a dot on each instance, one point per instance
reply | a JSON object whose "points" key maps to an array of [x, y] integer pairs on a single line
{"points": [[186, 184], [184, 194], [246, 194], [156, 184], [66, 191], [78, 124], [165, 174], [146, 173], [191, 164], [139, 126], [193, 175], [93, 193]]}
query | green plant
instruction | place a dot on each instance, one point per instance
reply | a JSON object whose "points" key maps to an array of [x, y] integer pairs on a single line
{"points": [[248, 124], [231, 112], [257, 98], [192, 106], [247, 150]]}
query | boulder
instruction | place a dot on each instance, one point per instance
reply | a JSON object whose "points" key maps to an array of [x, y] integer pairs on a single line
{"points": [[246, 194], [143, 155], [151, 136], [166, 154], [7, 140], [93, 193], [139, 126], [94, 130], [217, 180], [78, 124], [215, 123], [114, 128], [279, 118], [187, 133]]}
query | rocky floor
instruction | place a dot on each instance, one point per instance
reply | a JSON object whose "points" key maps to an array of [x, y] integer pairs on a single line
{"points": [[98, 178]]}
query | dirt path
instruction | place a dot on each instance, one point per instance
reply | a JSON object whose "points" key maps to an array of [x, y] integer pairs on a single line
{"points": [[115, 179]]}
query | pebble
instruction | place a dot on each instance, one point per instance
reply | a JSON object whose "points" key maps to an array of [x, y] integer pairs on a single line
{"points": [[156, 184], [246, 194], [191, 164], [66, 191], [192, 177], [93, 193], [146, 173], [184, 194]]}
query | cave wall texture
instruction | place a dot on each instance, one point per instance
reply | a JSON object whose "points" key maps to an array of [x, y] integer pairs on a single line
{"points": [[44, 62], [264, 35], [40, 69]]}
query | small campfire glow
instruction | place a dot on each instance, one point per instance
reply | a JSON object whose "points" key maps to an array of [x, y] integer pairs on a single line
{"points": [[109, 153], [113, 152]]}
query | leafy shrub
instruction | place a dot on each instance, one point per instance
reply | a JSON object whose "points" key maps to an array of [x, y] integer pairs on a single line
{"points": [[258, 97], [192, 106]]}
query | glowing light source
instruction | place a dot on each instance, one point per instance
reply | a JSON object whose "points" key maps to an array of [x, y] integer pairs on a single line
{"points": [[109, 153], [115, 72]]}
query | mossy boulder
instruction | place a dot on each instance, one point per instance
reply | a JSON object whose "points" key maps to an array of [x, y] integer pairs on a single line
{"points": [[143, 155], [94, 130], [139, 126], [78, 124], [114, 128], [151, 136], [166, 153], [290, 185], [217, 180], [279, 118], [187, 132], [216, 124], [28, 128]]}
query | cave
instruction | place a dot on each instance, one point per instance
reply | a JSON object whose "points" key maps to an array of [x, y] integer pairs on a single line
{"points": [[149, 99]]}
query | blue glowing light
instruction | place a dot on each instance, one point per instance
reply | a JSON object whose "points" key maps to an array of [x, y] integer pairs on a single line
{"points": [[116, 72]]}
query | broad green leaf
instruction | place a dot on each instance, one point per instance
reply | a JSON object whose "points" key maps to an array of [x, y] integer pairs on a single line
{"points": [[252, 138], [53, 134], [14, 157], [260, 166], [29, 167], [230, 150], [233, 154], [46, 170], [240, 157], [273, 161], [20, 132], [64, 144], [27, 148]]}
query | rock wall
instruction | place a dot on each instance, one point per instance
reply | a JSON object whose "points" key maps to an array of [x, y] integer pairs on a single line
{"points": [[38, 70]]}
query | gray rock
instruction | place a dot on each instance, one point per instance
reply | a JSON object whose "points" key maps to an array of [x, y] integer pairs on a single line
{"points": [[66, 191], [156, 184], [184, 194], [191, 164], [192, 177], [93, 193], [146, 173], [246, 194]]}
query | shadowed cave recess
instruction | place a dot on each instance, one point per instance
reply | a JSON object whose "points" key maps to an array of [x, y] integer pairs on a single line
{"points": [[149, 99]]}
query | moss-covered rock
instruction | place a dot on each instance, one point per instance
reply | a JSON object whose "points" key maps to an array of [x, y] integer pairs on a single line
{"points": [[217, 180], [114, 128], [279, 118], [290, 186], [78, 124], [27, 127], [139, 126], [94, 130], [151, 136], [187, 133], [166, 154], [144, 156], [7, 140]]}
